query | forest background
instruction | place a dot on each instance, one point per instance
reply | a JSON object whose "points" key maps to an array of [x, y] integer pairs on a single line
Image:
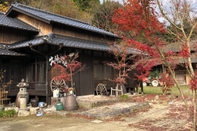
{"points": [[95, 12]]}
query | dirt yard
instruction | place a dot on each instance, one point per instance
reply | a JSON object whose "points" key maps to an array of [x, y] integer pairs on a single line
{"points": [[166, 113]]}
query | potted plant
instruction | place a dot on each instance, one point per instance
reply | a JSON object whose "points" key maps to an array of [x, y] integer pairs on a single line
{"points": [[68, 66]]}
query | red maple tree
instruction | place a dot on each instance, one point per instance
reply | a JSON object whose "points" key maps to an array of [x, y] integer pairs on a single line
{"points": [[120, 64], [138, 25], [166, 82], [67, 65]]}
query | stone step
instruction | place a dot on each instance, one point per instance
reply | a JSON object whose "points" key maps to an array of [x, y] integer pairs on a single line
{"points": [[91, 101], [116, 109]]}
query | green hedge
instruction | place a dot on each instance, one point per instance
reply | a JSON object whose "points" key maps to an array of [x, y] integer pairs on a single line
{"points": [[124, 97], [8, 113]]}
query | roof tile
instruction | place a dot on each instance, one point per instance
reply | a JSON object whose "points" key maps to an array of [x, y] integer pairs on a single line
{"points": [[65, 40], [50, 17], [72, 42], [4, 50], [15, 23]]}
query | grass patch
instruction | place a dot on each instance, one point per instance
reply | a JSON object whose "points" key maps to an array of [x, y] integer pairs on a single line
{"points": [[8, 113], [124, 97], [186, 90], [157, 90], [152, 90]]}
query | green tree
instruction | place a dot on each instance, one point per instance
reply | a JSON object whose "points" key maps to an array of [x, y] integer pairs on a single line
{"points": [[86, 5], [102, 15], [3, 6], [63, 7], [169, 37], [181, 16]]}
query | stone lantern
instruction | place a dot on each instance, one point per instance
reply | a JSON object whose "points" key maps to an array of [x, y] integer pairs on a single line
{"points": [[22, 96]]}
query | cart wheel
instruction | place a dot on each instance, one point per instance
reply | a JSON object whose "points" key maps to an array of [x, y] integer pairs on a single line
{"points": [[101, 89], [57, 84], [155, 83]]}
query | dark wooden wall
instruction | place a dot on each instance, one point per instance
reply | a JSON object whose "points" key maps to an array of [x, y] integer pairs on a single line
{"points": [[15, 70], [79, 33], [11, 35], [44, 28], [33, 70], [95, 71], [86, 77]]}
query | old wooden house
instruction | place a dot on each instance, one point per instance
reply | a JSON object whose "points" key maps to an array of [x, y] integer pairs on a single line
{"points": [[29, 36], [181, 73]]}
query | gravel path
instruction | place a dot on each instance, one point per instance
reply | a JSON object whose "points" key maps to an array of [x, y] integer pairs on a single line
{"points": [[161, 116]]}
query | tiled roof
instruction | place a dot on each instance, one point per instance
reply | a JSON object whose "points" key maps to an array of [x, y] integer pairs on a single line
{"points": [[50, 17], [177, 46], [67, 42], [15, 23], [80, 43], [5, 51], [181, 59]]}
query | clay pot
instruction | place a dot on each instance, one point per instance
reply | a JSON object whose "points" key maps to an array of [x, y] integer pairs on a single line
{"points": [[70, 103], [34, 102]]}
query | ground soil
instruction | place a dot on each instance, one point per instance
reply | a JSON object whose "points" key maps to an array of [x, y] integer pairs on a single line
{"points": [[166, 113]]}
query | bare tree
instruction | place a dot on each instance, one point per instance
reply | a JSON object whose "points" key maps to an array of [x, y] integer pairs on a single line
{"points": [[177, 13], [140, 27]]}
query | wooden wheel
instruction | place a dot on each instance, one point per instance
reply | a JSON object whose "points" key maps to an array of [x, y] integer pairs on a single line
{"points": [[57, 84], [101, 89], [155, 83]]}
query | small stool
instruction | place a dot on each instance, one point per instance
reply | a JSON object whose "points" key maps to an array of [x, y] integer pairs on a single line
{"points": [[118, 89]]}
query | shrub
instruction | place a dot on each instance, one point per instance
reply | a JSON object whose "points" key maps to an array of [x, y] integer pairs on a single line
{"points": [[1, 114], [8, 113], [124, 97]]}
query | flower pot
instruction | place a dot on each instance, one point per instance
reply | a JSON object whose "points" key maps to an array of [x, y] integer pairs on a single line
{"points": [[70, 103], [34, 102]]}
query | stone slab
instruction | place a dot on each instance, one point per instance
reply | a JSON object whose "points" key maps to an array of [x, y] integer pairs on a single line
{"points": [[33, 110], [108, 112], [91, 101], [23, 113]]}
